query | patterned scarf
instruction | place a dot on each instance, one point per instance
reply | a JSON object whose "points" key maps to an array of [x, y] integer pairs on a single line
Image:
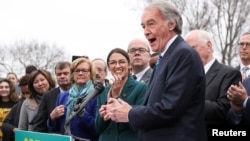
{"points": [[75, 93]]}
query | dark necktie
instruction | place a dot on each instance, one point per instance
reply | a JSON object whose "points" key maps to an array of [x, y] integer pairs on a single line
{"points": [[158, 62], [134, 76]]}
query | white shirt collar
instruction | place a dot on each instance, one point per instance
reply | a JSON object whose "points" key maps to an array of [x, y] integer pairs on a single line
{"points": [[241, 69], [208, 65], [62, 91], [168, 44], [242, 66], [140, 74]]}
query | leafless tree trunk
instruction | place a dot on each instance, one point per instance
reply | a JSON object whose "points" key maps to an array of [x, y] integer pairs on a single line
{"points": [[199, 15], [3, 58], [22, 54], [231, 20]]}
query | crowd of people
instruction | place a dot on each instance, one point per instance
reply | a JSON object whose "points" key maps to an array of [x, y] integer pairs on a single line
{"points": [[164, 87]]}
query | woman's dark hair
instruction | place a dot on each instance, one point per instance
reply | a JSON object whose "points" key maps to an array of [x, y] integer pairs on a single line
{"points": [[13, 95], [120, 51], [47, 76]]}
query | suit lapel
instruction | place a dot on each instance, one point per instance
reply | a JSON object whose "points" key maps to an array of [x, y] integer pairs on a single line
{"points": [[146, 76], [164, 62], [212, 72], [238, 67]]}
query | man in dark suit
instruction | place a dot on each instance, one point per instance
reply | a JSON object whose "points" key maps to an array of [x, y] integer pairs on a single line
{"points": [[239, 95], [219, 77], [244, 54], [139, 55], [173, 107], [48, 102], [239, 114]]}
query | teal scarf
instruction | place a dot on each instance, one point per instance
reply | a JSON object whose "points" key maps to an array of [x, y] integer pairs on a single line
{"points": [[75, 93]]}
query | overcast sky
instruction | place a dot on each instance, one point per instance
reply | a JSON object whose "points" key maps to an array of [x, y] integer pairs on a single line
{"points": [[82, 27]]}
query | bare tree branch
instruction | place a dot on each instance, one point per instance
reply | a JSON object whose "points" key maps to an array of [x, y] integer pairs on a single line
{"points": [[230, 22], [22, 54]]}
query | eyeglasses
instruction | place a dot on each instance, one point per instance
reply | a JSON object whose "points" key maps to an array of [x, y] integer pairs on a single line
{"points": [[100, 69], [242, 44], [140, 50], [84, 71], [114, 63]]}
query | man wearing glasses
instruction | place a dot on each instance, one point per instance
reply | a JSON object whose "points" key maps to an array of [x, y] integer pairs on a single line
{"points": [[139, 54], [244, 54]]}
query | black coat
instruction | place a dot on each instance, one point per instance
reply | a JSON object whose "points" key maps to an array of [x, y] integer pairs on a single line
{"points": [[46, 106], [11, 121], [218, 79]]}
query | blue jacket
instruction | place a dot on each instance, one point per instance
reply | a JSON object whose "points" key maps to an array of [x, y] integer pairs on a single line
{"points": [[83, 127]]}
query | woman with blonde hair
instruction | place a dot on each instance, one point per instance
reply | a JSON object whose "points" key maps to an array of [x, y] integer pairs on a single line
{"points": [[82, 125]]}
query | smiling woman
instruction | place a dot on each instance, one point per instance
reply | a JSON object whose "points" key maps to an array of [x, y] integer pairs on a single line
{"points": [[82, 125], [40, 82], [124, 87], [8, 98]]}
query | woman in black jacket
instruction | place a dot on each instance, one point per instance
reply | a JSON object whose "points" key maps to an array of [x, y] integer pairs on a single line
{"points": [[11, 121]]}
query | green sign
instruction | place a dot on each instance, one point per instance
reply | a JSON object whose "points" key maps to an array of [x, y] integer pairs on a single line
{"points": [[21, 135]]}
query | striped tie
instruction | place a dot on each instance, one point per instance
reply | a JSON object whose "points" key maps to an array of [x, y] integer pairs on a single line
{"points": [[244, 72], [158, 62]]}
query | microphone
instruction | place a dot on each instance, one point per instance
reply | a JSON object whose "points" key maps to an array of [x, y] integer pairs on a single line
{"points": [[81, 104]]}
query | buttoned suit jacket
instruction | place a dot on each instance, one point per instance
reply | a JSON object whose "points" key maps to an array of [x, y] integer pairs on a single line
{"points": [[218, 79], [174, 101]]}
